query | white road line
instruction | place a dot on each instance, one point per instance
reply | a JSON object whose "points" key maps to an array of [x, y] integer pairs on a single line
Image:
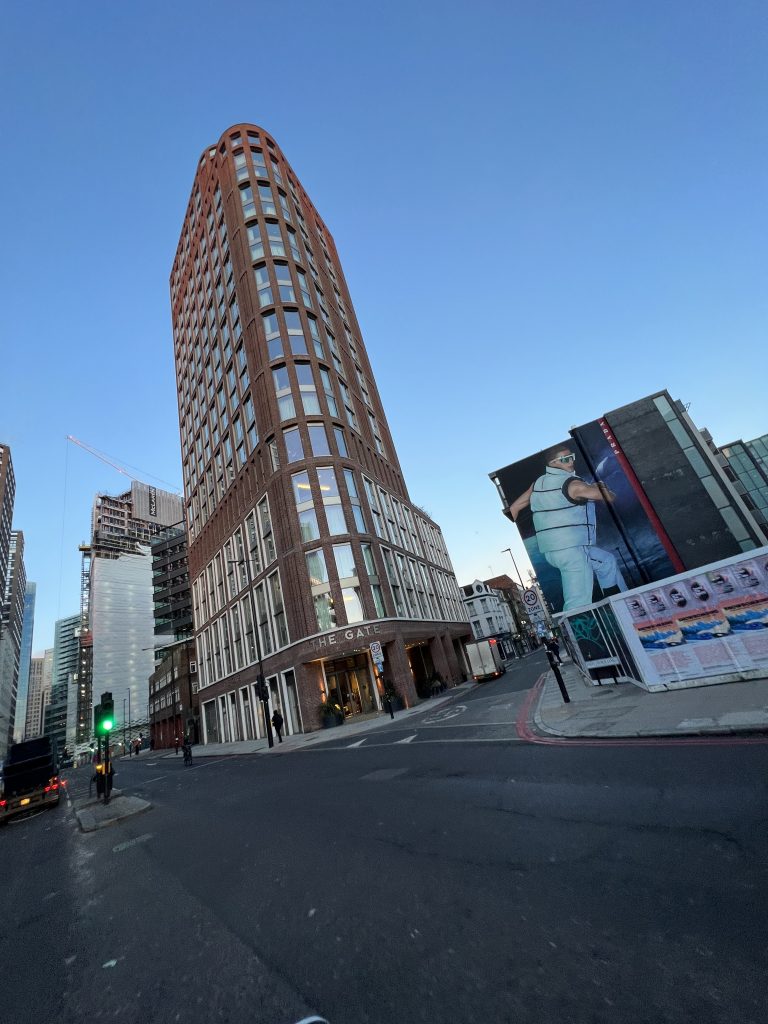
{"points": [[469, 725], [358, 744], [146, 782], [408, 739]]}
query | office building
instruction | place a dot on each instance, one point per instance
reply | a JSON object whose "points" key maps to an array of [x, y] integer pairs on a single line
{"points": [[11, 628], [122, 528], [305, 547], [64, 675], [659, 503], [7, 497], [39, 693], [748, 471], [27, 631]]}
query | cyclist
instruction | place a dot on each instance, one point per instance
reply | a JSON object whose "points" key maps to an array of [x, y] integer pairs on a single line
{"points": [[186, 748]]}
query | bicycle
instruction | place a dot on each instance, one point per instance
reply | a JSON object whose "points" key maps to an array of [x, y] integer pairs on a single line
{"points": [[187, 751]]}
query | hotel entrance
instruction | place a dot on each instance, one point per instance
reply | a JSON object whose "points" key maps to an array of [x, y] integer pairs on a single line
{"points": [[349, 684]]}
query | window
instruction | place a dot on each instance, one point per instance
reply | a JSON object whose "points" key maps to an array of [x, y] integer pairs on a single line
{"points": [[347, 399], [267, 201], [345, 561], [284, 283], [325, 377], [378, 524], [370, 565], [293, 447], [259, 167], [272, 331], [295, 332], [341, 444], [318, 440], [302, 491], [263, 285], [357, 511], [324, 611], [283, 392], [294, 245], [327, 480], [304, 288], [353, 606], [308, 525], [378, 601], [316, 567], [278, 610], [317, 342], [241, 168], [307, 389], [255, 243], [246, 198], [266, 531], [275, 237]]}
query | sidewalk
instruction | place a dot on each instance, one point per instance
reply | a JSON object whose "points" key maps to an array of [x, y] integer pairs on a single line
{"points": [[350, 729], [627, 710]]}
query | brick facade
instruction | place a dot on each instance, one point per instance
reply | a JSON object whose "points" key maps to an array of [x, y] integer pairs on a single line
{"points": [[290, 472]]}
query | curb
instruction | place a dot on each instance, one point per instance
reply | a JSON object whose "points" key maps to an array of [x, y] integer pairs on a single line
{"points": [[531, 727], [88, 821]]}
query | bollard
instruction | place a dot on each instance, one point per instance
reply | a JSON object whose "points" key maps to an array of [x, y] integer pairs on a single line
{"points": [[558, 676]]}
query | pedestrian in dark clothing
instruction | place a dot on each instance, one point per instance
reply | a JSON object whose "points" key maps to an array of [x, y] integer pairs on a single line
{"points": [[553, 647], [176, 743], [277, 721]]}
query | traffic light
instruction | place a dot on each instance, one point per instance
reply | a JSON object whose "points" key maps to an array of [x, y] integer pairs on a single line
{"points": [[261, 690], [104, 715]]}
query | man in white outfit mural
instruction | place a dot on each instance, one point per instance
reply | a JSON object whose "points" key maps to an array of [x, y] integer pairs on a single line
{"points": [[564, 520]]}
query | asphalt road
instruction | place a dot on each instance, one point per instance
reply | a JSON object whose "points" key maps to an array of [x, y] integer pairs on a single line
{"points": [[442, 870]]}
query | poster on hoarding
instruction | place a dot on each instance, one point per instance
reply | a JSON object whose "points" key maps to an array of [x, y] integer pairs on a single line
{"points": [[710, 623], [585, 529]]}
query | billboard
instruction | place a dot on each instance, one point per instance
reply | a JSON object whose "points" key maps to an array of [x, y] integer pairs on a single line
{"points": [[704, 624], [586, 525]]}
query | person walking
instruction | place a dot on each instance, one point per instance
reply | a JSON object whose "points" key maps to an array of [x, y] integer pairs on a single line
{"points": [[176, 744], [277, 722], [553, 647]]}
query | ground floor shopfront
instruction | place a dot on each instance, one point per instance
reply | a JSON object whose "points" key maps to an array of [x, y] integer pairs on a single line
{"points": [[337, 667]]}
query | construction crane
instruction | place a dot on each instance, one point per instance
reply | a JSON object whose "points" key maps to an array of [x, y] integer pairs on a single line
{"points": [[120, 469]]}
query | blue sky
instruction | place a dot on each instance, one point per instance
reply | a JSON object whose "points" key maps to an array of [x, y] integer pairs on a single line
{"points": [[543, 209]]}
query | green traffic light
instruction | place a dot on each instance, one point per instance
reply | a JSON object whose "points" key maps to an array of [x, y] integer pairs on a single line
{"points": [[107, 724]]}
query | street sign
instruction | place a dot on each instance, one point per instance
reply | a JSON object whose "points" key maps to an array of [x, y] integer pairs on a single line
{"points": [[376, 651], [530, 598]]}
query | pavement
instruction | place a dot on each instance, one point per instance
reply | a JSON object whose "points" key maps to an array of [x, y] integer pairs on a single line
{"points": [[624, 710]]}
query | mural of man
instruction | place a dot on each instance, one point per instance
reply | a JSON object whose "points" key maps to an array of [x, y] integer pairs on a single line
{"points": [[564, 520]]}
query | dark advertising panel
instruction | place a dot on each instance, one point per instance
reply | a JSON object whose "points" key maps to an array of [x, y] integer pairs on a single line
{"points": [[583, 522]]}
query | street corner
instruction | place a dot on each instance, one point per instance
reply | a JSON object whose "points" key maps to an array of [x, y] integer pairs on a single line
{"points": [[96, 815]]}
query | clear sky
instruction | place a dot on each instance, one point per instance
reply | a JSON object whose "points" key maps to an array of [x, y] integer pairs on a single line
{"points": [[544, 209]]}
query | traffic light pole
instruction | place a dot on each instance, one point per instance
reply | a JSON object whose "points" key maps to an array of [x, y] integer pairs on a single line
{"points": [[261, 684]]}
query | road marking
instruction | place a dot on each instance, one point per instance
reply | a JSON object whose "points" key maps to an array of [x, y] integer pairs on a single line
{"points": [[408, 739], [358, 744], [157, 778], [132, 842], [443, 716], [470, 725]]}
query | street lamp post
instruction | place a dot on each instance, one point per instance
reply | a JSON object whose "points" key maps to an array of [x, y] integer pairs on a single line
{"points": [[514, 610], [261, 682]]}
